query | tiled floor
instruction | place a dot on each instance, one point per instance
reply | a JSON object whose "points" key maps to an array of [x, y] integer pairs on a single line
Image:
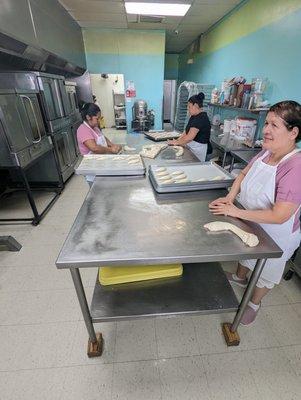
{"points": [[43, 338]]}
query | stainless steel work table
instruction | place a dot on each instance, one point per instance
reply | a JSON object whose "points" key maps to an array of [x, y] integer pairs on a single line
{"points": [[138, 140], [243, 156], [123, 222], [227, 143]]}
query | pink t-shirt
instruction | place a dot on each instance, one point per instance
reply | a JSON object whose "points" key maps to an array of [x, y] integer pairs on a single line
{"points": [[288, 187], [85, 133]]}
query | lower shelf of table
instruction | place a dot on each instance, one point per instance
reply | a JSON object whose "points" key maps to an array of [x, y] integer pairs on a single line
{"points": [[202, 289]]}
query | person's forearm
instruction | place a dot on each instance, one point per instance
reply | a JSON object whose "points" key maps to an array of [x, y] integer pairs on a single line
{"points": [[235, 189], [262, 216], [109, 143], [102, 150]]}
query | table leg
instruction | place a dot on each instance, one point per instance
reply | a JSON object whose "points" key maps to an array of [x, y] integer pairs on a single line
{"points": [[230, 330], [224, 159], [232, 164], [95, 343]]}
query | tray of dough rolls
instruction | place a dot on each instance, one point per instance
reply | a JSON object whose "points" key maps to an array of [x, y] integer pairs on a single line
{"points": [[111, 164], [189, 177], [158, 136]]}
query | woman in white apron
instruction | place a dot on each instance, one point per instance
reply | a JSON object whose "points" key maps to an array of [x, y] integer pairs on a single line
{"points": [[90, 138], [272, 202], [197, 132]]}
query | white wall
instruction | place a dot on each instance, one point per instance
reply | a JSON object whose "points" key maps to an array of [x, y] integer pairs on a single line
{"points": [[103, 90]]}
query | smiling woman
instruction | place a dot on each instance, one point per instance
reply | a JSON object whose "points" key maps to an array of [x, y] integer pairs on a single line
{"points": [[270, 191]]}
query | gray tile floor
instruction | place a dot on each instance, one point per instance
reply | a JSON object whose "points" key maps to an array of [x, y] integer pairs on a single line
{"points": [[43, 338]]}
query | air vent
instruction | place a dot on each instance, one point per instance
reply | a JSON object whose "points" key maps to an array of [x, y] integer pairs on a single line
{"points": [[10, 44], [151, 19]]}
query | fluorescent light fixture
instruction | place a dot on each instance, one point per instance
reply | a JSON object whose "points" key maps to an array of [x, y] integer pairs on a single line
{"points": [[157, 8]]}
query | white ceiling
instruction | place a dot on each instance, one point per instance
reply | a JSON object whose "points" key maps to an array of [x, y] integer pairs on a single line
{"points": [[111, 14]]}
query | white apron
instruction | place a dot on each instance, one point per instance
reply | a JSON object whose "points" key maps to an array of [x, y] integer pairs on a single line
{"points": [[198, 149], [258, 192], [101, 141]]}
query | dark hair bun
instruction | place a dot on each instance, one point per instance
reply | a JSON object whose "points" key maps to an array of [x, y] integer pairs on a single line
{"points": [[201, 96]]}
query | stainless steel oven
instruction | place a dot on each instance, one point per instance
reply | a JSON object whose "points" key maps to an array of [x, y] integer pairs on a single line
{"points": [[54, 100], [66, 151], [23, 136]]}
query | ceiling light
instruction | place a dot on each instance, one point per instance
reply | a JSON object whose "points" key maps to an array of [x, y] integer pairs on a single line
{"points": [[157, 8]]}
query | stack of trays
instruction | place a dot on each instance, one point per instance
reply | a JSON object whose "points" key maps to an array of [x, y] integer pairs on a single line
{"points": [[110, 164], [189, 177], [159, 136]]}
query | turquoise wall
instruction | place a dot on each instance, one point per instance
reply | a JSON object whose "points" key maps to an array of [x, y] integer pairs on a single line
{"points": [[273, 51], [171, 69], [139, 57]]}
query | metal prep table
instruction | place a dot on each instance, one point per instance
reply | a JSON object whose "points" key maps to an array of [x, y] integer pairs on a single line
{"points": [[227, 143], [123, 222], [243, 156]]}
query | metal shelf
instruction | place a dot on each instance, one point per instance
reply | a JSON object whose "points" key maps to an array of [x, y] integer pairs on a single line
{"points": [[202, 289]]}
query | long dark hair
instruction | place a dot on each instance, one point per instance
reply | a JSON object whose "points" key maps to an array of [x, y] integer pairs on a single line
{"points": [[197, 99], [90, 109], [290, 112]]}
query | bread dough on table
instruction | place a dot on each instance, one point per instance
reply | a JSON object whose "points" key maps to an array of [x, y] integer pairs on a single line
{"points": [[152, 150], [166, 181], [248, 238], [217, 178], [182, 176], [161, 169], [128, 148], [163, 173], [133, 161], [175, 173], [179, 150], [163, 178], [200, 180], [184, 180]]}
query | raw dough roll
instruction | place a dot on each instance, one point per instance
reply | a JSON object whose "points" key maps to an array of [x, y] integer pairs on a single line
{"points": [[248, 238]]}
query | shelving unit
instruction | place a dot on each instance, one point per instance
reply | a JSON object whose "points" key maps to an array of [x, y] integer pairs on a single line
{"points": [[119, 110], [229, 112]]}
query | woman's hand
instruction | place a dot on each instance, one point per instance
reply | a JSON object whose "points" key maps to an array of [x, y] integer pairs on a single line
{"points": [[115, 148], [224, 208], [172, 142], [222, 200]]}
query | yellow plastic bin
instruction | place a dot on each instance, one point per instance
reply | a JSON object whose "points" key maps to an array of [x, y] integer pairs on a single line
{"points": [[115, 275]]}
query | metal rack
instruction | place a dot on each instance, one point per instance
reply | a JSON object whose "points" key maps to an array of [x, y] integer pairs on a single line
{"points": [[185, 91], [119, 110]]}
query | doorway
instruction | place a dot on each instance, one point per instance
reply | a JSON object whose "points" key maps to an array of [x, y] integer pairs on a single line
{"points": [[110, 96]]}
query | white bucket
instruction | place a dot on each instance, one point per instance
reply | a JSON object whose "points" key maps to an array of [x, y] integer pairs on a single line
{"points": [[246, 128]]}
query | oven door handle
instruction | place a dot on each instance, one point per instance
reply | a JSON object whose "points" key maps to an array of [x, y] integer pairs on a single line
{"points": [[35, 117]]}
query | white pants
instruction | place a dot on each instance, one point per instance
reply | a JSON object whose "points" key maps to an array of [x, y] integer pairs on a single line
{"points": [[198, 149]]}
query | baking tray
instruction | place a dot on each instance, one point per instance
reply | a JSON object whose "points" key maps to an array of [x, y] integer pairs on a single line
{"points": [[193, 171], [159, 136], [110, 164]]}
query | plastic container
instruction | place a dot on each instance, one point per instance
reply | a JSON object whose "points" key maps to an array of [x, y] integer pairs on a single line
{"points": [[246, 128], [117, 275]]}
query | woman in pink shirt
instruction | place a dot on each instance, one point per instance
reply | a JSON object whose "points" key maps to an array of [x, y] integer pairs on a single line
{"points": [[269, 189], [90, 138]]}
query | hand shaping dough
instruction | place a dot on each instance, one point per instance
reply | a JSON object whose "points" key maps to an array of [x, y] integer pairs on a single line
{"points": [[128, 148], [248, 238]]}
